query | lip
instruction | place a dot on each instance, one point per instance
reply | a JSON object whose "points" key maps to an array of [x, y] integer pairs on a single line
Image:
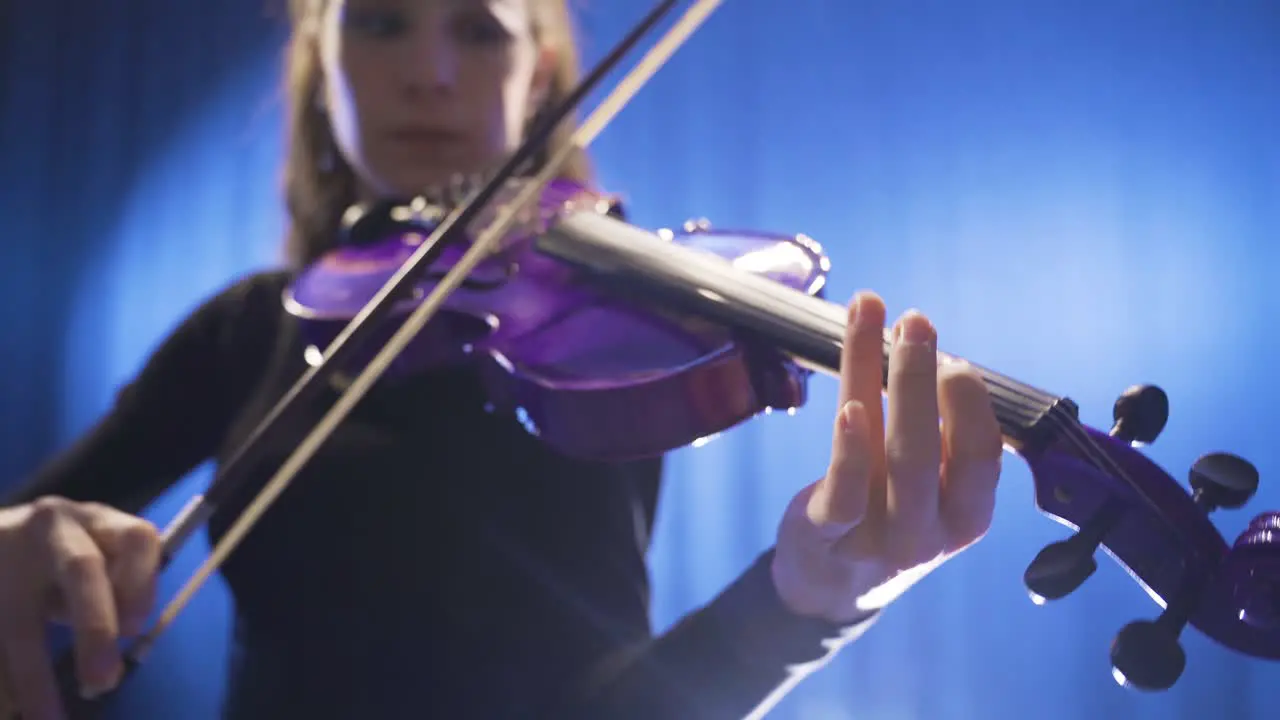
{"points": [[425, 135]]}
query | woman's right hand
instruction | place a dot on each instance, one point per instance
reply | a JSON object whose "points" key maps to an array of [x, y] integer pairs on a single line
{"points": [[85, 565]]}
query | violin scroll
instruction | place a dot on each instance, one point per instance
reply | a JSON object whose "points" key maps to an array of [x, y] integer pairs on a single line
{"points": [[1255, 564], [1140, 414], [1146, 654], [1160, 533]]}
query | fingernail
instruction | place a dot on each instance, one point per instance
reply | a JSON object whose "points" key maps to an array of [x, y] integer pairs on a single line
{"points": [[848, 416], [915, 329], [855, 310], [91, 691], [106, 675]]}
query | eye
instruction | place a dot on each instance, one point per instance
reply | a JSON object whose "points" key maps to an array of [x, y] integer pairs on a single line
{"points": [[375, 23], [481, 29]]}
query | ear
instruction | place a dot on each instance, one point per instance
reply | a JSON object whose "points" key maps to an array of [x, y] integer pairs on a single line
{"points": [[544, 74]]}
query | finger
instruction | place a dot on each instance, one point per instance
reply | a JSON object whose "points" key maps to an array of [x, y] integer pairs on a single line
{"points": [[132, 546], [913, 440], [839, 502], [78, 569], [862, 359], [972, 456], [862, 369], [29, 675]]}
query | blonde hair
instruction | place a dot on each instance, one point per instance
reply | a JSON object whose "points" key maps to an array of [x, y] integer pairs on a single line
{"points": [[319, 185]]}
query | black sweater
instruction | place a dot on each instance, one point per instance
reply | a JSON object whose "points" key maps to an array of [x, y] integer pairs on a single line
{"points": [[433, 559]]}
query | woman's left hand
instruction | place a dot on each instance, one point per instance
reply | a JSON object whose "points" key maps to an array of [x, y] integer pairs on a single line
{"points": [[902, 494]]}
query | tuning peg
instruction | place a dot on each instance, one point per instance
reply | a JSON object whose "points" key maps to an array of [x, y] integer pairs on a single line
{"points": [[1062, 567], [1223, 480], [1140, 414], [1146, 654]]}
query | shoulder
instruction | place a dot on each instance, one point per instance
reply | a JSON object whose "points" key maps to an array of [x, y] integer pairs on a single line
{"points": [[252, 300], [235, 325], [252, 293]]}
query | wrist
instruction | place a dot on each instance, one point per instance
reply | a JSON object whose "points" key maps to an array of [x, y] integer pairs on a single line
{"points": [[755, 620], [805, 599]]}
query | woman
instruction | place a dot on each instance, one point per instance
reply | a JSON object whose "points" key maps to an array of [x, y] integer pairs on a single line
{"points": [[435, 560]]}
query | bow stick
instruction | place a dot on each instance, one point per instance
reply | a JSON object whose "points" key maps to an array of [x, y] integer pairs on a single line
{"points": [[201, 507], [582, 137]]}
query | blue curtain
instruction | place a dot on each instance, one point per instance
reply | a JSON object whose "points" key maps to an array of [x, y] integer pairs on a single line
{"points": [[1082, 194]]}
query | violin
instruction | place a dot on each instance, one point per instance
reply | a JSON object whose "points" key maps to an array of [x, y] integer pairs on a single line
{"points": [[571, 313], [697, 331], [562, 354]]}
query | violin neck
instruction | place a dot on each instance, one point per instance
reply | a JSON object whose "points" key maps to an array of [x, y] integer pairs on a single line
{"points": [[641, 264]]}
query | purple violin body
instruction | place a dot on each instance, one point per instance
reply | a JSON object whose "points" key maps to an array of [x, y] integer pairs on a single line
{"points": [[597, 373], [591, 375]]}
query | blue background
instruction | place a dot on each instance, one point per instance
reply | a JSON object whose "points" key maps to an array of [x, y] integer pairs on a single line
{"points": [[1082, 194]]}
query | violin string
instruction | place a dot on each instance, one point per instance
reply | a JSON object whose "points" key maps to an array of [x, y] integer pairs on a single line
{"points": [[830, 322], [826, 320], [1012, 396], [1102, 460], [1073, 432], [786, 309], [1020, 398], [1032, 404], [586, 133]]}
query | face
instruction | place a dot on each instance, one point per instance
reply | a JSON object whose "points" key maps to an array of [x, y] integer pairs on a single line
{"points": [[420, 90]]}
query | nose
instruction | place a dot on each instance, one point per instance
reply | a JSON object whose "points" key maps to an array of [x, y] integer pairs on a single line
{"points": [[433, 62]]}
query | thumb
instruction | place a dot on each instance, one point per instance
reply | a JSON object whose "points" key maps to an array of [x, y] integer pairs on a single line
{"points": [[839, 500]]}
